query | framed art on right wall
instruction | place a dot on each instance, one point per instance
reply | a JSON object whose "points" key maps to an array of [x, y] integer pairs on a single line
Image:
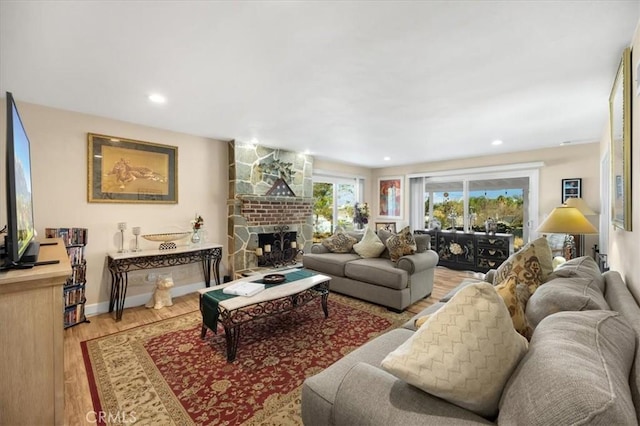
{"points": [[620, 124], [571, 188]]}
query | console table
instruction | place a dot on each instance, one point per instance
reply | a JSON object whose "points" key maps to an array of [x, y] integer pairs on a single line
{"points": [[120, 264], [476, 251]]}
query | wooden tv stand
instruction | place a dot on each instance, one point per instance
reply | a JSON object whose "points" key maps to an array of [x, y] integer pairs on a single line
{"points": [[31, 341]]}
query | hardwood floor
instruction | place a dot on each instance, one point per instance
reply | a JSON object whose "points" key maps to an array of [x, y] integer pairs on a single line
{"points": [[78, 406]]}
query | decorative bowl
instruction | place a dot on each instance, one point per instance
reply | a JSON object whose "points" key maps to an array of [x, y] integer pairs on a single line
{"points": [[165, 238], [273, 278]]}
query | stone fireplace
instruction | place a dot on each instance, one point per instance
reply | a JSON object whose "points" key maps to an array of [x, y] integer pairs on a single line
{"points": [[251, 212]]}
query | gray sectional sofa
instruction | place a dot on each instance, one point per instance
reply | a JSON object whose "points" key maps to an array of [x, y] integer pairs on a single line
{"points": [[378, 280], [582, 365]]}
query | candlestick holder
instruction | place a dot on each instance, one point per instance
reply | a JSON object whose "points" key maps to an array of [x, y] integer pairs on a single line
{"points": [[136, 231], [122, 226]]}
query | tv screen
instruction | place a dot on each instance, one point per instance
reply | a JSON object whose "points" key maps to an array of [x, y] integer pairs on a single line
{"points": [[20, 227]]}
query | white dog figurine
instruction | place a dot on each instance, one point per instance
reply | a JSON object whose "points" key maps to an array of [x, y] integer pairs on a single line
{"points": [[162, 295]]}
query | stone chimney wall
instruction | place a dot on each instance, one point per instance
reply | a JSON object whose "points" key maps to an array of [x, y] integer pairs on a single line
{"points": [[251, 212]]}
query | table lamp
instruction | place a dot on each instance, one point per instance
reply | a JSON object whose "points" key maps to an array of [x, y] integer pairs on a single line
{"points": [[567, 220], [581, 205]]}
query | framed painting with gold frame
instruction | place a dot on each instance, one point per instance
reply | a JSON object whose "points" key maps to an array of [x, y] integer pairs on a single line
{"points": [[620, 124], [128, 171]]}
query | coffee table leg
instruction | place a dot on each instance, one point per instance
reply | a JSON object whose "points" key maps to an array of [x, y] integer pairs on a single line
{"points": [[232, 335], [324, 304]]}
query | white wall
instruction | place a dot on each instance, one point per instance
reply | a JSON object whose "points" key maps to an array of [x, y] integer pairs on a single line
{"points": [[562, 162], [59, 162], [624, 246]]}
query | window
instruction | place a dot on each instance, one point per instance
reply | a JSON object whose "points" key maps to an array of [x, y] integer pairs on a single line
{"points": [[466, 199], [335, 199]]}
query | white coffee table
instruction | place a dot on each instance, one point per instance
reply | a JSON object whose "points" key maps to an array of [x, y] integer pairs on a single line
{"points": [[235, 311]]}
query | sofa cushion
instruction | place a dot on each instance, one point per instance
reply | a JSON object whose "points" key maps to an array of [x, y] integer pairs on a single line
{"points": [[565, 294], [370, 245], [531, 264], [328, 263], [575, 372], [582, 267], [319, 391], [377, 271], [339, 242], [464, 353], [515, 304], [401, 244]]}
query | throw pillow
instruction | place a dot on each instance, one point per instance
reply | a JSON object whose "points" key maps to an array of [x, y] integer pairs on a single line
{"points": [[532, 264], [370, 245], [339, 242], [419, 321], [401, 244], [464, 353], [507, 290]]}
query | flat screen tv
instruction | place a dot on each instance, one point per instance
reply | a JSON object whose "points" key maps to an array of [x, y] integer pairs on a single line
{"points": [[20, 248]]}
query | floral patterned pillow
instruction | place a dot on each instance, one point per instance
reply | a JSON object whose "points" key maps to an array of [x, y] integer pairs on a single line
{"points": [[515, 303], [531, 265], [401, 244], [339, 242]]}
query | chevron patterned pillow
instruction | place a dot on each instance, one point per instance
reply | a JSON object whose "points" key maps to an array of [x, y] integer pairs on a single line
{"points": [[464, 353]]}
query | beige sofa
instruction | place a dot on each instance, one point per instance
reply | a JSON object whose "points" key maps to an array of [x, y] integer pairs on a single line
{"points": [[582, 365], [378, 280]]}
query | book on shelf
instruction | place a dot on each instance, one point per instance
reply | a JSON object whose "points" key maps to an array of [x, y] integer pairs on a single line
{"points": [[73, 296], [71, 236], [244, 289]]}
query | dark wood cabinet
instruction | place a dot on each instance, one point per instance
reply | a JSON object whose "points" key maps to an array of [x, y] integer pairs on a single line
{"points": [[474, 252]]}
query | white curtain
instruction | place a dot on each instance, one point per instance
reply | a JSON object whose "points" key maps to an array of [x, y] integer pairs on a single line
{"points": [[416, 203]]}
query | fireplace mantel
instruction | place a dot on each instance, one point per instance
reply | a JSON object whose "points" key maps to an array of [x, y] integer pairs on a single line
{"points": [[274, 199]]}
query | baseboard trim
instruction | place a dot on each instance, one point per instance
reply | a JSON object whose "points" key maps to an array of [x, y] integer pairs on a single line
{"points": [[141, 299]]}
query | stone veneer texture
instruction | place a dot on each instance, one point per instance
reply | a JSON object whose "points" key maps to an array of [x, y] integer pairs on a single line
{"points": [[251, 212]]}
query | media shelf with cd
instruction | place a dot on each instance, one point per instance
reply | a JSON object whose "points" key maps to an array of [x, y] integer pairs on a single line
{"points": [[74, 296]]}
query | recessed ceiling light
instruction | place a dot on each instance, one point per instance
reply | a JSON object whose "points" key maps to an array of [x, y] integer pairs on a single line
{"points": [[387, 158], [157, 98], [307, 152], [496, 142], [565, 143]]}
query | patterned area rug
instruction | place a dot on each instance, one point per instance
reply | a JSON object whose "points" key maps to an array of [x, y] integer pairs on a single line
{"points": [[163, 373]]}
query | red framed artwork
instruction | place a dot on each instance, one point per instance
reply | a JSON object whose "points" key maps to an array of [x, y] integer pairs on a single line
{"points": [[390, 197]]}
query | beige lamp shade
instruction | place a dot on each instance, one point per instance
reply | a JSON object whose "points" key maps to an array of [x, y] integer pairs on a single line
{"points": [[581, 205], [567, 220]]}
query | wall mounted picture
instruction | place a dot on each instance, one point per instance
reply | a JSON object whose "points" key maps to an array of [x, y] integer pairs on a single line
{"points": [[571, 188], [129, 171], [620, 123], [390, 197], [387, 226]]}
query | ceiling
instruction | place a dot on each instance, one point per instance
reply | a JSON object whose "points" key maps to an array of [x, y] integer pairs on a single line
{"points": [[349, 81]]}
